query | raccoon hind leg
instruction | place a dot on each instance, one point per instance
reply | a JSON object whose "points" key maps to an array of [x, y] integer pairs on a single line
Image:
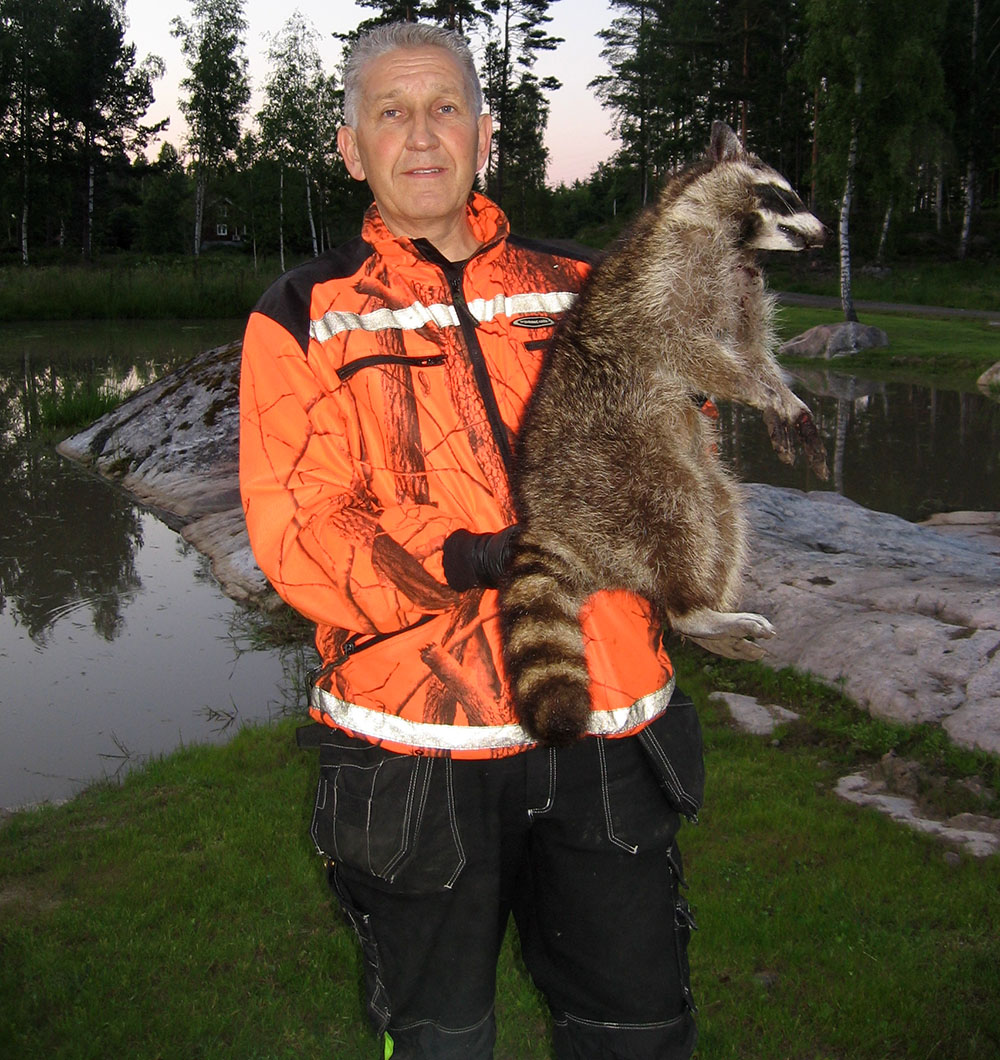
{"points": [[540, 601], [700, 537]]}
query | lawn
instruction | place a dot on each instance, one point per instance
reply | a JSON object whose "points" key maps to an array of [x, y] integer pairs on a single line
{"points": [[184, 914]]}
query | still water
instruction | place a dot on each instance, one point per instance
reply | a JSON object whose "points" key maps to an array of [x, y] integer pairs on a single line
{"points": [[116, 643]]}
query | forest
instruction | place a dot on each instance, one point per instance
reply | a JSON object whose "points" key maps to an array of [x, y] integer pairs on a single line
{"points": [[884, 113]]}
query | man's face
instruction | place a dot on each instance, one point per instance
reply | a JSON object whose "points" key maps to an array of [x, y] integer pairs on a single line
{"points": [[417, 142]]}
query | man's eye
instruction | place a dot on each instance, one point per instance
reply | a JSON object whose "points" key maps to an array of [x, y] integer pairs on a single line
{"points": [[448, 108], [390, 112]]}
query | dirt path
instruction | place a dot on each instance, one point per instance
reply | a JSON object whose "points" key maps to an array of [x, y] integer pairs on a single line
{"points": [[821, 301]]}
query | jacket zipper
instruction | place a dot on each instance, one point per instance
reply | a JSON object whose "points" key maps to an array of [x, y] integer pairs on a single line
{"points": [[348, 370], [358, 642], [453, 274]]}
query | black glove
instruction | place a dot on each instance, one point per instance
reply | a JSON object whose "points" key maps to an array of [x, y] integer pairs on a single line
{"points": [[477, 561]]}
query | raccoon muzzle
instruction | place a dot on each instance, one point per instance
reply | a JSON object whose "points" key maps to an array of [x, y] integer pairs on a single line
{"points": [[543, 644]]}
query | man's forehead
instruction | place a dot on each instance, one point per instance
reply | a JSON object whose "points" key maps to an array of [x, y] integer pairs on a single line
{"points": [[399, 72]]}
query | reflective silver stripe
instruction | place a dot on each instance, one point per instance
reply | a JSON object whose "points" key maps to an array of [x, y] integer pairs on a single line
{"points": [[418, 315], [375, 725]]}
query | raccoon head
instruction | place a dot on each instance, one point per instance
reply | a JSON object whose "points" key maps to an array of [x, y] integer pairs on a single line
{"points": [[773, 217]]}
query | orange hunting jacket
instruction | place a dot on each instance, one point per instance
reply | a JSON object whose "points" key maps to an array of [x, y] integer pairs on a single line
{"points": [[381, 391]]}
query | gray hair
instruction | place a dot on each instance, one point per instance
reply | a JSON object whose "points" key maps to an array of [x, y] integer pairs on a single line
{"points": [[393, 35]]}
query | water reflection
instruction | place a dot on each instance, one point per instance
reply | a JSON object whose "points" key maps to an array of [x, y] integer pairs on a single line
{"points": [[115, 641], [893, 447]]}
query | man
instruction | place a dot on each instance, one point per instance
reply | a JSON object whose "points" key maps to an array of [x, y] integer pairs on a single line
{"points": [[382, 387]]}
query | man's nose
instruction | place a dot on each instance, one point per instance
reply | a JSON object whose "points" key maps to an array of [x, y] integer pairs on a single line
{"points": [[422, 135]]}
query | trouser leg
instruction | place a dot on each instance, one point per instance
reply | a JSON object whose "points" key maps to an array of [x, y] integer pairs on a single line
{"points": [[423, 854], [603, 926]]}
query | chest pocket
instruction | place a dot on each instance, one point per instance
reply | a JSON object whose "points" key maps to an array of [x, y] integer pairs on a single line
{"points": [[534, 331], [348, 370]]}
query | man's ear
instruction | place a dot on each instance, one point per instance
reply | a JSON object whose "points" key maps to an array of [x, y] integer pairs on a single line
{"points": [[485, 136], [347, 145]]}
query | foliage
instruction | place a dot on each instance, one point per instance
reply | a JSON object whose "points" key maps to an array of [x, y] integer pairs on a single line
{"points": [[74, 178], [72, 98], [516, 169]]}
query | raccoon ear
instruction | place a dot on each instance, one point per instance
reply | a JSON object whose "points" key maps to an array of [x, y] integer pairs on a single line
{"points": [[724, 145]]}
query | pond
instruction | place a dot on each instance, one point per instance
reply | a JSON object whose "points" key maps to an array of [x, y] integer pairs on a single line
{"points": [[115, 641], [117, 644]]}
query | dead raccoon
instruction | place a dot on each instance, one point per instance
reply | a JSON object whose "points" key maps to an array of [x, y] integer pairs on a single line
{"points": [[617, 483]]}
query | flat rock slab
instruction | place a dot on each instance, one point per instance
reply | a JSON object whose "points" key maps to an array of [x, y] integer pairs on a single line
{"points": [[905, 617], [751, 715], [174, 445]]}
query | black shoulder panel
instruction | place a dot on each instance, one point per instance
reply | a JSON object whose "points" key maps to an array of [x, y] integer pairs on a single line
{"points": [[286, 301], [560, 248]]}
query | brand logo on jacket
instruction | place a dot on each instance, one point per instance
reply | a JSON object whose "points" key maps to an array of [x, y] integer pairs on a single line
{"points": [[537, 321]]}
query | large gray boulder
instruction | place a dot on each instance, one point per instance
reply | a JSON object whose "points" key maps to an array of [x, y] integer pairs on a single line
{"points": [[905, 617], [827, 341], [989, 381]]}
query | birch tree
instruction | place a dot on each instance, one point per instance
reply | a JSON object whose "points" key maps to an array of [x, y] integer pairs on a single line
{"points": [[217, 87], [288, 118]]}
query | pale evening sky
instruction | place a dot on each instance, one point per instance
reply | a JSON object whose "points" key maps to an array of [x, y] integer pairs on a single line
{"points": [[578, 133]]}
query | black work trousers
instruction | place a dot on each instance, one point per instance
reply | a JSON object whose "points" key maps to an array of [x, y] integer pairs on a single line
{"points": [[429, 857]]}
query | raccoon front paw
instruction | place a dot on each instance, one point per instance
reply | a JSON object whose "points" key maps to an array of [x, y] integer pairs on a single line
{"points": [[784, 435]]}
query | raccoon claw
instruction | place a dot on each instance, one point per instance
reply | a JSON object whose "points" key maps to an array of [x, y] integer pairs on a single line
{"points": [[779, 431], [812, 444], [732, 634], [784, 435]]}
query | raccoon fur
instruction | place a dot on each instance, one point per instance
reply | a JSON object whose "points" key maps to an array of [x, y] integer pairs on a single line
{"points": [[617, 483]]}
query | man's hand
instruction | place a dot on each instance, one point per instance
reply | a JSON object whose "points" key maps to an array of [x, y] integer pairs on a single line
{"points": [[477, 561]]}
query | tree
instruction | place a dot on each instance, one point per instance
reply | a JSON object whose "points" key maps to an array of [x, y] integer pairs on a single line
{"points": [[877, 75], [217, 86], [971, 47], [102, 94], [28, 64], [288, 119], [514, 94]]}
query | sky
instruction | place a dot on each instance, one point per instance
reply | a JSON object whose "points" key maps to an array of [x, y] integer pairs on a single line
{"points": [[578, 134]]}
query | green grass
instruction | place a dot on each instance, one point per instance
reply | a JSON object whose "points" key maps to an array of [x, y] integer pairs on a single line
{"points": [[970, 284], [78, 406], [929, 350], [130, 289], [184, 914]]}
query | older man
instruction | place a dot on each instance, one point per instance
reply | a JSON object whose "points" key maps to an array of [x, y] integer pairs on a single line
{"points": [[382, 388]]}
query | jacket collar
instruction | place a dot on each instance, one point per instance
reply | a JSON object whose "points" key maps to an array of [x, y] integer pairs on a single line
{"points": [[487, 221]]}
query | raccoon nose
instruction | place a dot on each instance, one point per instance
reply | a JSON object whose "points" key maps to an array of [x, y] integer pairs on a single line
{"points": [[803, 239]]}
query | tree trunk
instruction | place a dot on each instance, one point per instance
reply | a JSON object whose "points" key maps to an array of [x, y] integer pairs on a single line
{"points": [[25, 182], [281, 217], [846, 298], [883, 238], [970, 169], [88, 226], [309, 211], [939, 201], [199, 209], [970, 205]]}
